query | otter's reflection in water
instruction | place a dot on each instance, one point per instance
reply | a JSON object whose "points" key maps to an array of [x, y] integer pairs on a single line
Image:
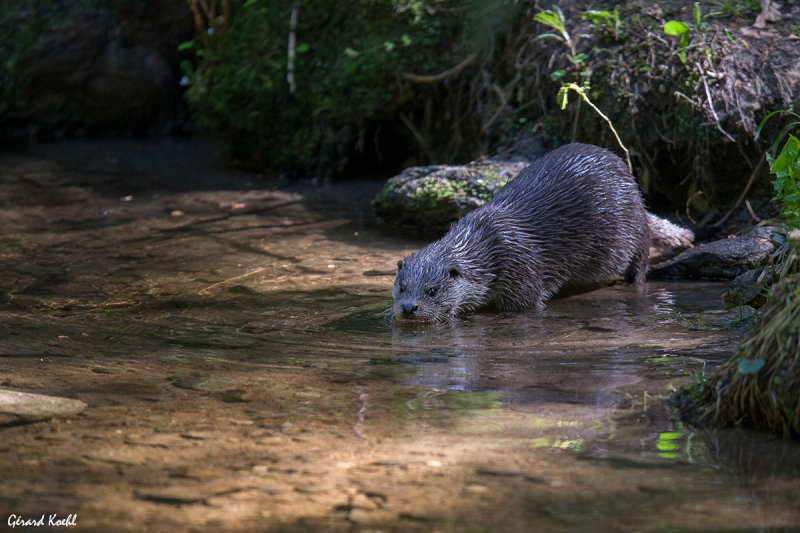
{"points": [[580, 349]]}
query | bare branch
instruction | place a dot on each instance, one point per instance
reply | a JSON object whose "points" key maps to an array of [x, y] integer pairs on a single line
{"points": [[442, 75]]}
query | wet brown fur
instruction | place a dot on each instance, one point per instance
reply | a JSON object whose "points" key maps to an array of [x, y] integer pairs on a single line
{"points": [[574, 217]]}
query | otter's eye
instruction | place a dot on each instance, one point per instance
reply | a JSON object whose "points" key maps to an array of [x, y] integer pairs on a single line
{"points": [[431, 292], [454, 273], [400, 265], [402, 288]]}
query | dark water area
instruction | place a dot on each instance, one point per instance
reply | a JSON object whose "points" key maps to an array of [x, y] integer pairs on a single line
{"points": [[227, 334]]}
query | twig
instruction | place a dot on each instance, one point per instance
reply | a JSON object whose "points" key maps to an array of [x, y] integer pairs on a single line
{"points": [[692, 102], [235, 278], [744, 193], [198, 22], [500, 108], [750, 210], [575, 123], [442, 75], [688, 204], [415, 132], [711, 103]]}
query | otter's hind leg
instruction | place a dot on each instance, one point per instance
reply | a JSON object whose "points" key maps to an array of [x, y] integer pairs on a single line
{"points": [[637, 269]]}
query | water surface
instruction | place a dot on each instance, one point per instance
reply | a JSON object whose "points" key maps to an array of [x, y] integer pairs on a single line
{"points": [[227, 335]]}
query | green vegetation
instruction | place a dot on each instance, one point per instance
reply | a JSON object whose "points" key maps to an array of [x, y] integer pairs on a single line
{"points": [[608, 22], [430, 199], [759, 386], [20, 31], [554, 18], [357, 68], [785, 165], [736, 8], [680, 31], [603, 19], [379, 85], [563, 93]]}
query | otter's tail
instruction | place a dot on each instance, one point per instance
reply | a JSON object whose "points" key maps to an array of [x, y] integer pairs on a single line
{"points": [[665, 233]]}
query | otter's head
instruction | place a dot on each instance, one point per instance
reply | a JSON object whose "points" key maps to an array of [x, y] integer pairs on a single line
{"points": [[434, 287]]}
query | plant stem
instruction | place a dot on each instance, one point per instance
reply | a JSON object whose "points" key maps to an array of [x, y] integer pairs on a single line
{"points": [[582, 92]]}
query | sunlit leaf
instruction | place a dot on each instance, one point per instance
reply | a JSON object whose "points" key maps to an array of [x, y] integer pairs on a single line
{"points": [[785, 161], [596, 15], [675, 27], [698, 17], [550, 18]]}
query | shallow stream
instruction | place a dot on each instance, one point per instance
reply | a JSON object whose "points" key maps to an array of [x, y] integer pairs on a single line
{"points": [[227, 336]]}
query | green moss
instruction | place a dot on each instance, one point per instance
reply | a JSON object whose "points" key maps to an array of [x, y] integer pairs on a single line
{"points": [[434, 191]]}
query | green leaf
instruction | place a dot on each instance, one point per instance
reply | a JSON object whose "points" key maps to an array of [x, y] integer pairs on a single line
{"points": [[302, 48], [792, 198], [596, 15], [186, 45], [788, 156], [674, 27], [563, 96], [550, 18], [580, 58], [766, 119], [750, 366], [558, 74], [548, 36], [349, 52], [698, 17]]}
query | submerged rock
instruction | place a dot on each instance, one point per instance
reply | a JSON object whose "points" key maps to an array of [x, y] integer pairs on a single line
{"points": [[23, 407], [722, 259], [751, 287]]}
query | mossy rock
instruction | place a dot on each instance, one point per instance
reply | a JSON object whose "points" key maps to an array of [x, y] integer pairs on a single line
{"points": [[426, 200], [751, 287]]}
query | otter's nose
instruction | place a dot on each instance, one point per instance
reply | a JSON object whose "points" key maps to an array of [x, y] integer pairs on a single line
{"points": [[409, 309]]}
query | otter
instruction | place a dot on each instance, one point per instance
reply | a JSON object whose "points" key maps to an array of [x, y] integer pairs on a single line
{"points": [[573, 218]]}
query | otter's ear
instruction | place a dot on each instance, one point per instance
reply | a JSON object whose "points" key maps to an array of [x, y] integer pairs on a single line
{"points": [[400, 265], [454, 272]]}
